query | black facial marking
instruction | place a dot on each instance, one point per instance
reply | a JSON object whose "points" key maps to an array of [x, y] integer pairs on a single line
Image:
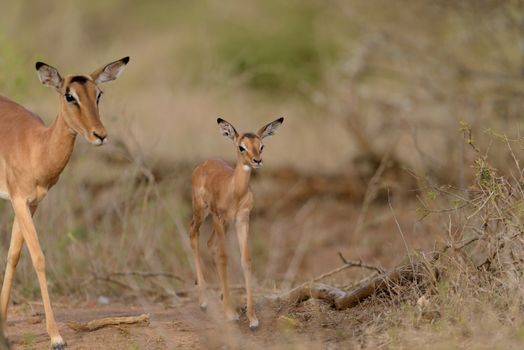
{"points": [[250, 135], [79, 79]]}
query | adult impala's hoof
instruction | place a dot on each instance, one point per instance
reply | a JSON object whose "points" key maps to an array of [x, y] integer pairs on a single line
{"points": [[58, 344], [253, 325]]}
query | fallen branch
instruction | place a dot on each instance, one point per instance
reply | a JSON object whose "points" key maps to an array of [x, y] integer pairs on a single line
{"points": [[304, 289], [147, 274], [341, 299], [321, 291], [379, 283], [105, 322]]}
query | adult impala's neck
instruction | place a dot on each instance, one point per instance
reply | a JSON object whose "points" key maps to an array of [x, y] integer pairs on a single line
{"points": [[241, 177], [57, 147]]}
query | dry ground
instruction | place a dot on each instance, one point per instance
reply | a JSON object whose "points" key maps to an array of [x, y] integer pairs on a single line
{"points": [[306, 250]]}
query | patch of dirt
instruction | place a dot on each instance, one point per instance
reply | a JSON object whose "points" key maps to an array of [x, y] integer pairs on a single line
{"points": [[183, 325]]}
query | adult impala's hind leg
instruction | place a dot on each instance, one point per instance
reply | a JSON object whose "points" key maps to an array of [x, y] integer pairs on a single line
{"points": [[194, 231], [13, 256], [25, 223], [242, 228], [221, 264]]}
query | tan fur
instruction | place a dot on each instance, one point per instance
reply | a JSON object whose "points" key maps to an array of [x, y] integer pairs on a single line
{"points": [[224, 192], [32, 157]]}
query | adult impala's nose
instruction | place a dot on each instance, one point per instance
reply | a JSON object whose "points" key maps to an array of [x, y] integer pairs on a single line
{"points": [[101, 136]]}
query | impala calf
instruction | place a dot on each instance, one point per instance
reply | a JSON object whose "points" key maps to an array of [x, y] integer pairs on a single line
{"points": [[32, 157], [224, 192]]}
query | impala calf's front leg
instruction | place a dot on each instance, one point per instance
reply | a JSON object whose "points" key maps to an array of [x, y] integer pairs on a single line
{"points": [[242, 228], [220, 256]]}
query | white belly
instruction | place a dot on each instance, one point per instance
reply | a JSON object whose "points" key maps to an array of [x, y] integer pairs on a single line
{"points": [[4, 195]]}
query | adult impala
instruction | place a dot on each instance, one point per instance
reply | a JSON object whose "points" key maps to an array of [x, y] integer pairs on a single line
{"points": [[224, 192], [32, 157]]}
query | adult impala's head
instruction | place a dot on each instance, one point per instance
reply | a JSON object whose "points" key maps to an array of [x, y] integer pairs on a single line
{"points": [[79, 97], [249, 145]]}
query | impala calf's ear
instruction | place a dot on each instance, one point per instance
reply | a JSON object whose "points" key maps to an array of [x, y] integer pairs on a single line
{"points": [[270, 129], [48, 75], [110, 71], [227, 129]]}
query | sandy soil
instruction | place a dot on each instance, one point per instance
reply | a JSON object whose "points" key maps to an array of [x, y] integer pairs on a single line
{"points": [[183, 325]]}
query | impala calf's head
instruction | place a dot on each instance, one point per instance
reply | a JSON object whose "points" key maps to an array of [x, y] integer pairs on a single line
{"points": [[80, 95], [249, 145]]}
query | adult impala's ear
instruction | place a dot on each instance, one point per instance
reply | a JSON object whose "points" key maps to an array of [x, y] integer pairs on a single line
{"points": [[110, 71], [227, 129], [48, 75], [270, 129]]}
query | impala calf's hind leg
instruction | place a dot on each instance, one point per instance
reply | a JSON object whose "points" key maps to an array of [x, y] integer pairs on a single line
{"points": [[194, 232]]}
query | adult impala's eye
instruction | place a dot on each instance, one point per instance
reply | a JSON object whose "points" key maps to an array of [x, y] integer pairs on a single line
{"points": [[261, 148], [241, 149], [70, 98], [98, 98]]}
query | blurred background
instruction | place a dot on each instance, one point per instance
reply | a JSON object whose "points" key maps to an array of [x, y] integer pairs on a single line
{"points": [[377, 98]]}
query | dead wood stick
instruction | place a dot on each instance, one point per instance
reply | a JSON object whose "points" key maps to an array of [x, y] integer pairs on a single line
{"points": [[147, 274], [314, 290], [353, 263], [377, 284], [108, 321], [322, 291]]}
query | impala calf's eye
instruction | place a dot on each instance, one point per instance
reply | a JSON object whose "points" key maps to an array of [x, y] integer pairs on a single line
{"points": [[241, 149]]}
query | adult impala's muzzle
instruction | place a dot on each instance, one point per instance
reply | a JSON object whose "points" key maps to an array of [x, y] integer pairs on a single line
{"points": [[97, 137]]}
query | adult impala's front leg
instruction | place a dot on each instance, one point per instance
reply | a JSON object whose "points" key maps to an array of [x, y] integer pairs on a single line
{"points": [[242, 228], [25, 223]]}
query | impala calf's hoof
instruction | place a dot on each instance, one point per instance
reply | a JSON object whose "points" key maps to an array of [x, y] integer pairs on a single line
{"points": [[253, 325], [203, 306]]}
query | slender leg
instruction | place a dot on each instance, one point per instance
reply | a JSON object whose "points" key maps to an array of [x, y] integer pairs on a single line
{"points": [[194, 235], [242, 228], [25, 222], [221, 263], [13, 256], [15, 248]]}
